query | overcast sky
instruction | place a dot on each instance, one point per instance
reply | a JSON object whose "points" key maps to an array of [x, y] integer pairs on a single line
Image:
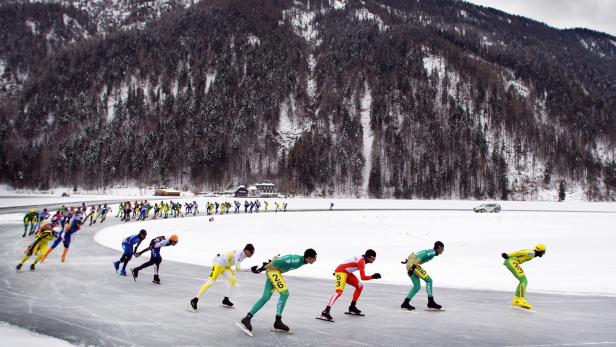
{"points": [[599, 15]]}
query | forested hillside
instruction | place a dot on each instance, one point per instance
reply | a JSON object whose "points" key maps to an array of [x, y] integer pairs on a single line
{"points": [[389, 98]]}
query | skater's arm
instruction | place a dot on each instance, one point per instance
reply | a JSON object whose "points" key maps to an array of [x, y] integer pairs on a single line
{"points": [[137, 246], [522, 253], [362, 270]]}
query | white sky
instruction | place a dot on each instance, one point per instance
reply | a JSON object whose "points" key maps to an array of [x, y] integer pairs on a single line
{"points": [[599, 15]]}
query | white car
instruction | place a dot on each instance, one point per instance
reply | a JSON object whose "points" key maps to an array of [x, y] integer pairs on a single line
{"points": [[487, 208]]}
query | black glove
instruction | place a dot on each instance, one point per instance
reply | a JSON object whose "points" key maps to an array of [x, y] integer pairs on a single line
{"points": [[256, 270], [376, 276], [504, 255], [411, 270]]}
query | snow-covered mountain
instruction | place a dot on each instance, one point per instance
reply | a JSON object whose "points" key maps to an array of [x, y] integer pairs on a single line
{"points": [[391, 98], [44, 26], [111, 15]]}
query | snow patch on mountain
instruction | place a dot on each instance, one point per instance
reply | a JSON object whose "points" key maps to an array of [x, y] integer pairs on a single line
{"points": [[518, 87], [364, 15], [367, 136], [33, 27], [290, 128], [432, 63], [311, 83], [209, 79], [338, 4], [254, 41], [303, 24]]}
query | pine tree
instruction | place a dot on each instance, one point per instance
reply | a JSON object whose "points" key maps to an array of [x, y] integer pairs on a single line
{"points": [[561, 191]]}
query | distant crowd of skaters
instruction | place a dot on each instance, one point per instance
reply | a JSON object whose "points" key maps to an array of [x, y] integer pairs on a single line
{"points": [[140, 210], [61, 225]]}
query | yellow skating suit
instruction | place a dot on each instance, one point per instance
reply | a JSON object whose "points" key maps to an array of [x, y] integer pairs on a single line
{"points": [[224, 264], [512, 262], [38, 247]]}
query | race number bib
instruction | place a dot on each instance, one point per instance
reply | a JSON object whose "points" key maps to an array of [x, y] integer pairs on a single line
{"points": [[276, 279]]}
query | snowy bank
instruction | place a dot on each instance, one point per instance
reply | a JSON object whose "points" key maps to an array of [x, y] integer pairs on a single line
{"points": [[16, 336]]}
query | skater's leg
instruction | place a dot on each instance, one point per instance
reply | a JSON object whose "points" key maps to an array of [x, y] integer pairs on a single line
{"points": [[126, 256], [25, 258], [275, 277], [428, 281], [157, 262], [267, 294], [231, 281], [282, 301], [124, 260], [341, 278], [353, 281], [146, 264], [67, 244], [41, 254], [521, 289], [416, 287], [514, 266], [216, 270]]}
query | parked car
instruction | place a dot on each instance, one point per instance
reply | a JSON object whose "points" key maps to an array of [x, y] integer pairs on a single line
{"points": [[487, 208]]}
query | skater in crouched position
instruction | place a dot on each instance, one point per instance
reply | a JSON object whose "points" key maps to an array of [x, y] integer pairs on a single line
{"points": [[275, 282], [65, 237], [416, 272], [344, 274], [224, 264], [512, 262], [155, 259], [130, 246], [30, 219], [39, 246]]}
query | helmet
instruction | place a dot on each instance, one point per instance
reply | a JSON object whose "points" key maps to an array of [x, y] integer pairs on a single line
{"points": [[540, 247], [370, 253], [55, 221], [44, 210], [31, 210], [173, 238], [142, 234], [56, 230], [438, 244], [249, 247], [310, 253]]}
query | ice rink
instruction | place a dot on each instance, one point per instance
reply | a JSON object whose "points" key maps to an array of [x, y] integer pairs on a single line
{"points": [[84, 302]]}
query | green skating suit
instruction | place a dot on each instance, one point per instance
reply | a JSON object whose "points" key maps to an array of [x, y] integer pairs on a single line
{"points": [[421, 257], [275, 281], [513, 264]]}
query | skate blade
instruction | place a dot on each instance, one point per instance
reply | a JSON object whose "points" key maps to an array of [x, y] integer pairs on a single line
{"points": [[355, 314], [408, 311], [434, 310], [246, 331], [325, 319], [229, 307], [282, 331], [524, 309]]}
